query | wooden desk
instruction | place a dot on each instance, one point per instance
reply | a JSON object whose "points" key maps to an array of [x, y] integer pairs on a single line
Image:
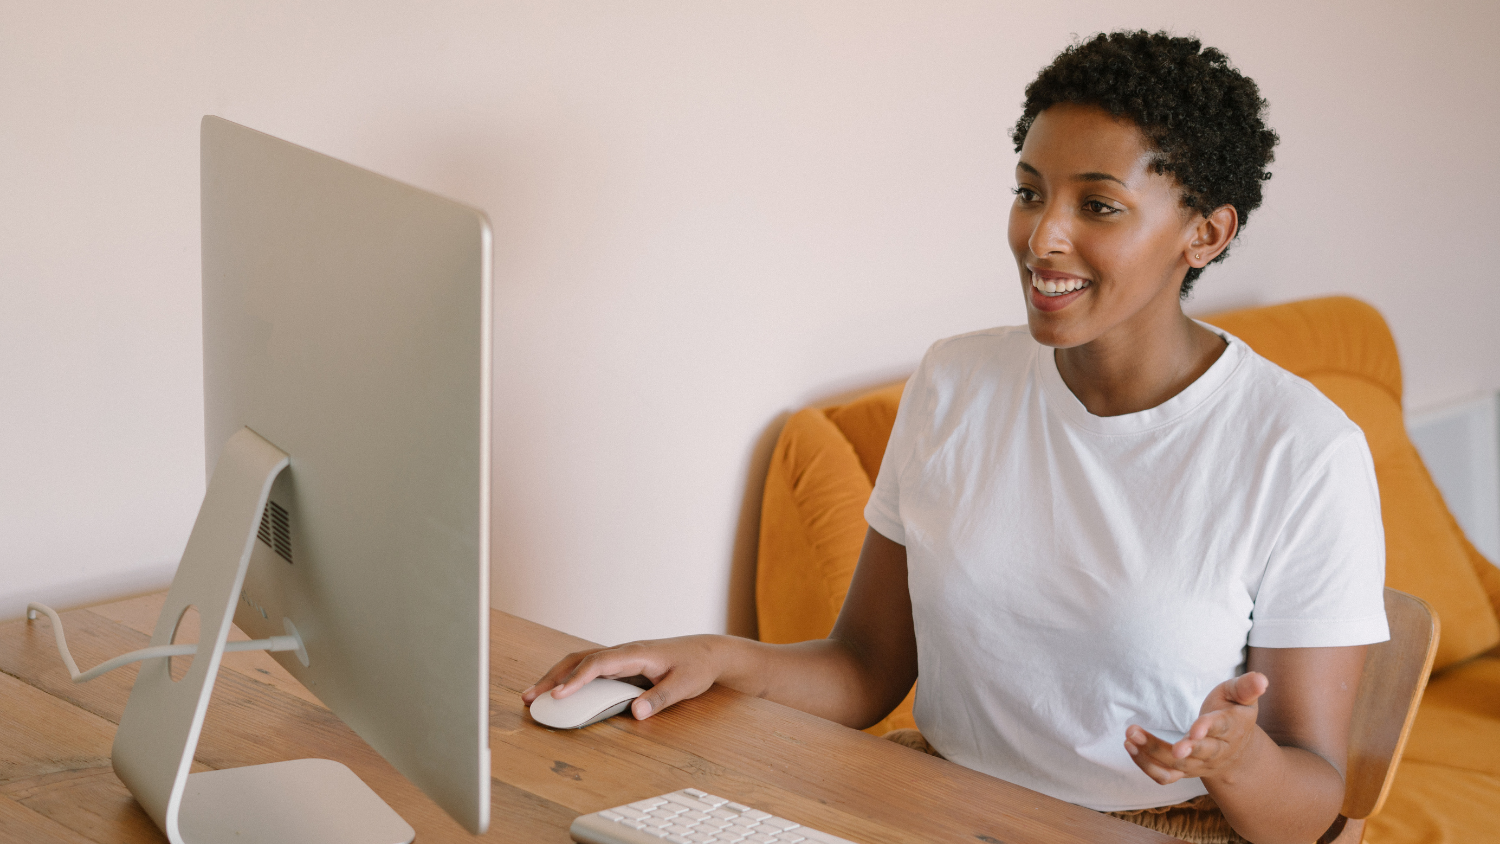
{"points": [[56, 783]]}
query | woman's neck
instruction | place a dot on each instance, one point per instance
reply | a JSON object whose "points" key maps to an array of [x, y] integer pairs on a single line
{"points": [[1133, 369]]}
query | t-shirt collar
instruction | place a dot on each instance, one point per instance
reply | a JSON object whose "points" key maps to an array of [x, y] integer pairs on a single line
{"points": [[1194, 396]]}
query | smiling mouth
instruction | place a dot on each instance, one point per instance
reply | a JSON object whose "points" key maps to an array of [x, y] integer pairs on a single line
{"points": [[1057, 286]]}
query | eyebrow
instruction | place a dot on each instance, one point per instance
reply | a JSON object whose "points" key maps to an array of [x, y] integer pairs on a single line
{"points": [[1081, 177]]}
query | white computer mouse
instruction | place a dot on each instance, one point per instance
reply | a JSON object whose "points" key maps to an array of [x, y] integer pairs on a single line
{"points": [[597, 700]]}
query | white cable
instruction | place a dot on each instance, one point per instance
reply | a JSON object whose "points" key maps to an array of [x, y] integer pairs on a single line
{"points": [[275, 643]]}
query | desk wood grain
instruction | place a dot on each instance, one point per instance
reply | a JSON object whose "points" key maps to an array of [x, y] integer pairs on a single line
{"points": [[56, 784]]}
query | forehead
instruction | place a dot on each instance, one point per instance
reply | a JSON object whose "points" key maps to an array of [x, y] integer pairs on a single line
{"points": [[1070, 139]]}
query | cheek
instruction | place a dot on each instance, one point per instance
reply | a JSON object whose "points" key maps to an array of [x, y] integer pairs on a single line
{"points": [[1124, 252]]}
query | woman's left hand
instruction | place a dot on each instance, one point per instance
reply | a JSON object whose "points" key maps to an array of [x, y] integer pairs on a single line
{"points": [[1223, 731]]}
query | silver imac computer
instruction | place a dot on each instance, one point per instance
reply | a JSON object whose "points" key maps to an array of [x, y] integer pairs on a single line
{"points": [[346, 334]]}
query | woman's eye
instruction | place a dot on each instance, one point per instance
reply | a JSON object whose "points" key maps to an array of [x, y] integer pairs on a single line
{"points": [[1024, 194], [1094, 206]]}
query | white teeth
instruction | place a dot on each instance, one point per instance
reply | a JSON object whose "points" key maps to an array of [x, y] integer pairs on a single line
{"points": [[1057, 287]]}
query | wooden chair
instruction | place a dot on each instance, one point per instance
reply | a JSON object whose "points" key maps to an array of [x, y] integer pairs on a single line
{"points": [[1395, 676]]}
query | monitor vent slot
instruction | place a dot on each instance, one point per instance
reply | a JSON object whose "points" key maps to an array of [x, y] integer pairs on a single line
{"points": [[276, 530]]}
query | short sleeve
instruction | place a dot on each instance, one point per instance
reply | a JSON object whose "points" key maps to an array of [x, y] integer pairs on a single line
{"points": [[1324, 583], [883, 511]]}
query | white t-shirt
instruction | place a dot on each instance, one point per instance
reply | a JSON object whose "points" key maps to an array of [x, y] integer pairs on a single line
{"points": [[1073, 574]]}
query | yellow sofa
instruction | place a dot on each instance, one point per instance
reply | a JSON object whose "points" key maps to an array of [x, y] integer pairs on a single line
{"points": [[1447, 788]]}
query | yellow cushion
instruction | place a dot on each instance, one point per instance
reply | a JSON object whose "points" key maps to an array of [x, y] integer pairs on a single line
{"points": [[866, 422], [1489, 575], [1437, 804], [812, 526], [1458, 724], [1331, 334], [812, 521]]}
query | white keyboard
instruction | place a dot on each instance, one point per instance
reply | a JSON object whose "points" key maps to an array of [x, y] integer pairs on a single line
{"points": [[692, 817]]}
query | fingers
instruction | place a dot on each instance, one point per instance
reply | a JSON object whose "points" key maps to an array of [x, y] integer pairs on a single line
{"points": [[1191, 757], [1230, 707], [555, 675], [612, 663], [1214, 741], [1155, 757], [1213, 724], [677, 668], [575, 670], [1156, 771]]}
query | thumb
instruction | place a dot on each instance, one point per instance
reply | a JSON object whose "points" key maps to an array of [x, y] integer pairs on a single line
{"points": [[1247, 688], [669, 690]]}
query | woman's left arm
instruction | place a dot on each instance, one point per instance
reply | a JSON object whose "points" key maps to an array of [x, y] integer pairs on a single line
{"points": [[1271, 744]]}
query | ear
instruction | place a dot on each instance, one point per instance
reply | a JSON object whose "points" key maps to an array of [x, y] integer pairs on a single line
{"points": [[1211, 235]]}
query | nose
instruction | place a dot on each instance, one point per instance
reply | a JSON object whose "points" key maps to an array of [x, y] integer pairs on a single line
{"points": [[1050, 233]]}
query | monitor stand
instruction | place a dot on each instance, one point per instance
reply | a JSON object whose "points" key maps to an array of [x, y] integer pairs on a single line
{"points": [[317, 801]]}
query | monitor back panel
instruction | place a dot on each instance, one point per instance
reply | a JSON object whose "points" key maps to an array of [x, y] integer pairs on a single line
{"points": [[346, 319]]}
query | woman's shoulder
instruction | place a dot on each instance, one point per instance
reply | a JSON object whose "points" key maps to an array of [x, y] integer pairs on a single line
{"points": [[1006, 346], [1288, 408], [959, 370]]}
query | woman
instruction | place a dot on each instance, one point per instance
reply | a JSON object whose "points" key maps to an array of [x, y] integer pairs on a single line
{"points": [[1134, 563]]}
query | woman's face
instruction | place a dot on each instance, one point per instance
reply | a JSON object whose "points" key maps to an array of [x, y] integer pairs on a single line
{"points": [[1094, 221]]}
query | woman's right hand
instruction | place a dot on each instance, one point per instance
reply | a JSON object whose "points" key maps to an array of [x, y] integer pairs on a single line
{"points": [[677, 668], [855, 677]]}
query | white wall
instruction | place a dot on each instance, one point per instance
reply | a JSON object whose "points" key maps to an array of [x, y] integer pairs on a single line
{"points": [[706, 214], [1460, 443]]}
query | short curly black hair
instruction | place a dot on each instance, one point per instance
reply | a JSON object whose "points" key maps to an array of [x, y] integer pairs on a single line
{"points": [[1205, 119]]}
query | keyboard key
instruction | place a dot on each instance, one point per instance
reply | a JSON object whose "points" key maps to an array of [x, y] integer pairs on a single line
{"points": [[686, 802], [756, 814]]}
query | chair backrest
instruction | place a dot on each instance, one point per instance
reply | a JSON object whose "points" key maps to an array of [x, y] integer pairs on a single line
{"points": [[1395, 676]]}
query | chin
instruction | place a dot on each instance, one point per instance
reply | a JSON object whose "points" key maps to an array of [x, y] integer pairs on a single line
{"points": [[1060, 329], [1047, 332]]}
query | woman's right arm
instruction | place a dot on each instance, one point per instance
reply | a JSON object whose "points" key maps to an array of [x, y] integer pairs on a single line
{"points": [[855, 676]]}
